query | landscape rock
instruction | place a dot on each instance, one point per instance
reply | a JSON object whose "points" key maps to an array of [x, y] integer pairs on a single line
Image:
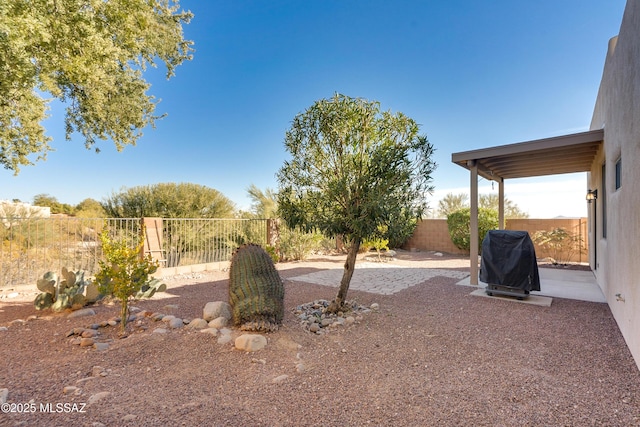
{"points": [[86, 342], [280, 378], [212, 331], [101, 346], [4, 394], [97, 397], [82, 313], [89, 333], [159, 331], [224, 339], [197, 324], [168, 318], [176, 323], [3, 328], [70, 389], [142, 314], [219, 322], [215, 309], [250, 342]]}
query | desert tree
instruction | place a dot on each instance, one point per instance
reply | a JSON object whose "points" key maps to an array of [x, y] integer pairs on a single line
{"points": [[264, 204], [91, 55], [511, 209], [353, 169], [454, 202], [451, 203], [169, 200]]}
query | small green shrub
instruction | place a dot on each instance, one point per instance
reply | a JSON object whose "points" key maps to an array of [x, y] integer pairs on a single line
{"points": [[399, 231], [561, 244], [273, 253], [377, 243], [459, 223], [125, 273], [296, 246]]}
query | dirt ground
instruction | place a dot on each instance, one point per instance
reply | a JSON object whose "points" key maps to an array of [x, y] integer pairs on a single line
{"points": [[432, 354]]}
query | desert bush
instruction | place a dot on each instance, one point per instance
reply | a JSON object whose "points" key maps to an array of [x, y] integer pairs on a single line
{"points": [[296, 246], [459, 223], [125, 274], [560, 243]]}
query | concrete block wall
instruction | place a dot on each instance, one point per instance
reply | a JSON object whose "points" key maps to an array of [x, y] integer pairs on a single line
{"points": [[433, 235], [576, 226]]}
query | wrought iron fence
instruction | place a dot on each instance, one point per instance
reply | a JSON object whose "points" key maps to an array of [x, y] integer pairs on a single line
{"points": [[200, 241], [29, 247]]}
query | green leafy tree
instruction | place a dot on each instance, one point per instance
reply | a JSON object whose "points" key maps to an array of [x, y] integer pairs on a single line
{"points": [[46, 200], [89, 54], [90, 208], [451, 203], [459, 225], [169, 200], [454, 202], [264, 204], [352, 170], [292, 245], [511, 210]]}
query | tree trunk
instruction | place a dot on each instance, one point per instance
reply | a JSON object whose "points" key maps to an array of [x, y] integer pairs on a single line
{"points": [[349, 267], [124, 314]]}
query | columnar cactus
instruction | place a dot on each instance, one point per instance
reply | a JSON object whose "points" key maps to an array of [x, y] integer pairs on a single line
{"points": [[256, 292]]}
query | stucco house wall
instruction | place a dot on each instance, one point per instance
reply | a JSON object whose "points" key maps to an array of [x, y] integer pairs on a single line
{"points": [[615, 250]]}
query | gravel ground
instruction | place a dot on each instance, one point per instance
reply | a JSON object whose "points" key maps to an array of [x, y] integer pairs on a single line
{"points": [[430, 355]]}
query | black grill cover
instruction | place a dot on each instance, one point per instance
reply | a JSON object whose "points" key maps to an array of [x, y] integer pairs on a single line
{"points": [[509, 259]]}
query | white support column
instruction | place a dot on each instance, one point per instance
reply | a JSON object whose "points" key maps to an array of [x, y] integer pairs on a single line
{"points": [[473, 225], [501, 223]]}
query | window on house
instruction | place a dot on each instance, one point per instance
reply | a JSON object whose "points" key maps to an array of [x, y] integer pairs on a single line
{"points": [[619, 173], [603, 188]]}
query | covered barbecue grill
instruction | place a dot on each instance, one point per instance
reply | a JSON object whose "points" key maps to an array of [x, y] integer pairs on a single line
{"points": [[508, 264]]}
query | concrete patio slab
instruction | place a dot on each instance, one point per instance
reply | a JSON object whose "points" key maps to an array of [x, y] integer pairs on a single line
{"points": [[531, 299], [559, 283], [379, 278]]}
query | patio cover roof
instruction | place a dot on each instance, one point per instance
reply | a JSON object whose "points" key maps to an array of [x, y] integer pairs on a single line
{"points": [[549, 156]]}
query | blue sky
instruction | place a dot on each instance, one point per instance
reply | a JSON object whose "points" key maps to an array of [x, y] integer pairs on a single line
{"points": [[473, 74]]}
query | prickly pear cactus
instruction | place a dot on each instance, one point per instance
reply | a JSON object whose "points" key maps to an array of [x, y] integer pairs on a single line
{"points": [[61, 292], [256, 292]]}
